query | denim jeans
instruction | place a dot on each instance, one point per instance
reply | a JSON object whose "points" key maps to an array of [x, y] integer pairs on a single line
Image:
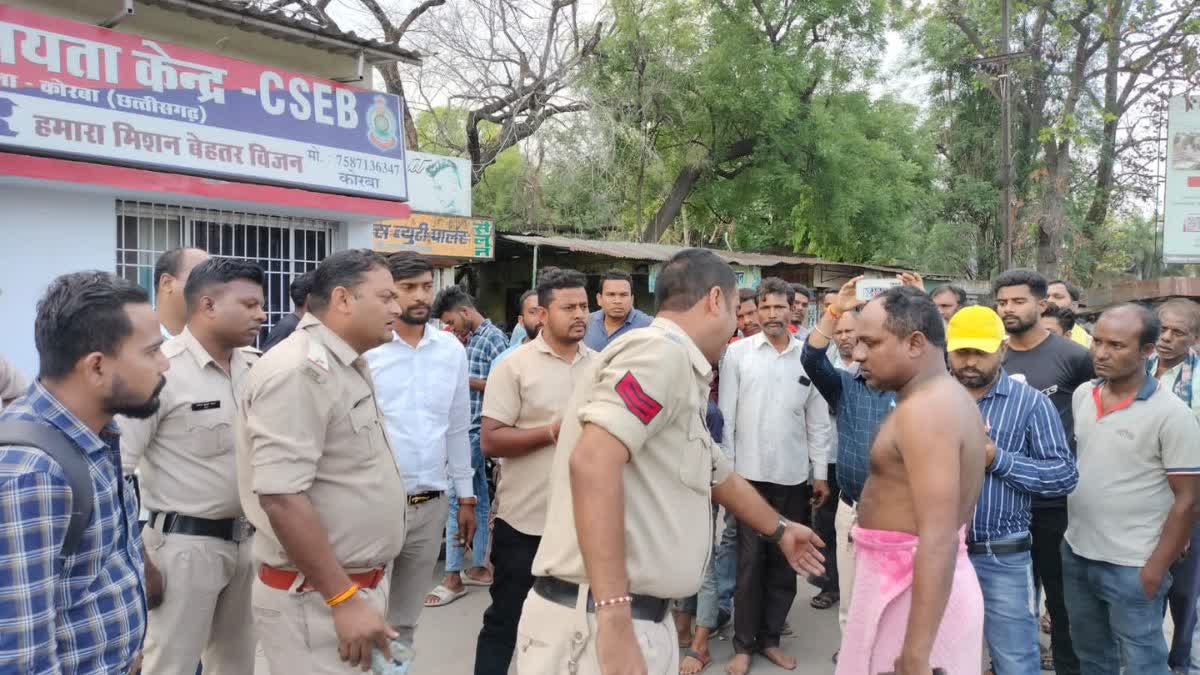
{"points": [[1182, 600], [479, 545], [1108, 608], [1010, 620], [716, 591]]}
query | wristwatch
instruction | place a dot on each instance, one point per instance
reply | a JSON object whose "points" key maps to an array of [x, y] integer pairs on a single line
{"points": [[777, 535]]}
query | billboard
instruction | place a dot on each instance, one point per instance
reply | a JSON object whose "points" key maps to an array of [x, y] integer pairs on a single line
{"points": [[436, 235], [77, 90], [438, 184], [1181, 214]]}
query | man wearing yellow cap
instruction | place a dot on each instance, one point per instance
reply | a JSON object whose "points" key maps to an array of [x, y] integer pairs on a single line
{"points": [[1027, 456]]}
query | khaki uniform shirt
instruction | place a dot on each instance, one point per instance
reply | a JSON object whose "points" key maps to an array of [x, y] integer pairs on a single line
{"points": [[12, 383], [309, 424], [650, 390], [185, 450], [530, 388]]}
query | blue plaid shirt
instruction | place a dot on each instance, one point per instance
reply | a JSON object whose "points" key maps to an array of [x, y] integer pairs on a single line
{"points": [[858, 411], [1032, 458], [84, 614], [485, 344]]}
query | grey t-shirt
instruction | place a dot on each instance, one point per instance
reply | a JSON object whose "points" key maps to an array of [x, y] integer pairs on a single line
{"points": [[1116, 513], [1056, 367]]}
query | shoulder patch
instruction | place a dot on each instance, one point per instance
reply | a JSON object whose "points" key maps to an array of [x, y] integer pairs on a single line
{"points": [[318, 356], [641, 404]]}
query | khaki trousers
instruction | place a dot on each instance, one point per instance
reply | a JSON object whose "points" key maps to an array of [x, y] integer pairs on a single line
{"points": [[412, 573], [845, 519], [296, 630], [557, 640], [205, 613]]}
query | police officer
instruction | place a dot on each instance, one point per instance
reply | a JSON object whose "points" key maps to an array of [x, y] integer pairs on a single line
{"points": [[318, 478], [197, 536], [637, 466]]}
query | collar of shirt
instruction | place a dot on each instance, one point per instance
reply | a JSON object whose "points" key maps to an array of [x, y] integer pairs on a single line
{"points": [[1001, 387], [542, 346], [673, 331], [49, 408], [186, 341], [162, 328], [760, 340], [429, 336], [482, 328], [597, 319], [1149, 386], [340, 349]]}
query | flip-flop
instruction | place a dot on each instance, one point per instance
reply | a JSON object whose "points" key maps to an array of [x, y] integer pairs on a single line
{"points": [[703, 660], [824, 600], [444, 596]]}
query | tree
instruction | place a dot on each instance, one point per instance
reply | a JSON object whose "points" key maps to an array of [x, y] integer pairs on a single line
{"points": [[508, 63]]}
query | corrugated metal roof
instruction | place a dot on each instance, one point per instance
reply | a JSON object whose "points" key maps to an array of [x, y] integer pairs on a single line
{"points": [[633, 250], [244, 14]]}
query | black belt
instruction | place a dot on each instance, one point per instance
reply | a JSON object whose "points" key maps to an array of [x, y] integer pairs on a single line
{"points": [[422, 497], [229, 529], [565, 593], [999, 547]]}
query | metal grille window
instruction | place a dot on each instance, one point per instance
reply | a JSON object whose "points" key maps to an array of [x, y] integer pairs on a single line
{"points": [[285, 247]]}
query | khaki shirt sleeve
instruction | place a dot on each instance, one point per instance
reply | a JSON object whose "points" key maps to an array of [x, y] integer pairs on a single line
{"points": [[502, 397], [637, 390], [286, 420], [135, 437], [721, 465]]}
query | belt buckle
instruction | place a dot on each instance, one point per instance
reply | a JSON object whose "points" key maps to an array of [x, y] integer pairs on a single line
{"points": [[242, 529]]}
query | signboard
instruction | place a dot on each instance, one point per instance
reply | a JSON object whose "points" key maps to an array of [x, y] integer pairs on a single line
{"points": [[445, 236], [748, 276], [77, 90], [438, 184], [1181, 215]]}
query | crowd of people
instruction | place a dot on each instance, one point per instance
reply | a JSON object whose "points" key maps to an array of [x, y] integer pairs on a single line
{"points": [[625, 486]]}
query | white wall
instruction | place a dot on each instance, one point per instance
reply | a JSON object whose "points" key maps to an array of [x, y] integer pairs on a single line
{"points": [[45, 233]]}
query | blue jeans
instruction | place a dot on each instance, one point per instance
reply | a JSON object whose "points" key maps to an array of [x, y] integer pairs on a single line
{"points": [[1112, 620], [1010, 621], [1182, 600], [479, 545], [716, 591]]}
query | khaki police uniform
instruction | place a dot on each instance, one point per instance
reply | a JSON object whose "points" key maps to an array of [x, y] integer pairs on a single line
{"points": [[650, 390], [309, 424], [12, 384], [197, 535]]}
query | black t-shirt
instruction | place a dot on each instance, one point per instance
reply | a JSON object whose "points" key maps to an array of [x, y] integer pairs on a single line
{"points": [[1056, 367], [286, 326]]}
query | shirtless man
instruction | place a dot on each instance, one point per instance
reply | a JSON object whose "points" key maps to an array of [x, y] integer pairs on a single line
{"points": [[926, 471]]}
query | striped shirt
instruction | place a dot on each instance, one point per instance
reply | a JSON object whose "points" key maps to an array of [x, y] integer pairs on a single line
{"points": [[858, 411], [84, 614], [1032, 458]]}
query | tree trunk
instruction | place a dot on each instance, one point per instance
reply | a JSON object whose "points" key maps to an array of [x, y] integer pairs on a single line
{"points": [[1093, 222], [395, 85], [684, 182], [1052, 223]]}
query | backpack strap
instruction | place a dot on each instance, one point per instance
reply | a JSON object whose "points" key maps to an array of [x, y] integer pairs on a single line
{"points": [[74, 464]]}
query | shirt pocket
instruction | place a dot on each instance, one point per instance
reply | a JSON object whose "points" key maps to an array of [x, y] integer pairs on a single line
{"points": [[210, 432], [695, 462], [364, 422]]}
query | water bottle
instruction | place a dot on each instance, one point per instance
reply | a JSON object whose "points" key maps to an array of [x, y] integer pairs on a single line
{"points": [[402, 656]]}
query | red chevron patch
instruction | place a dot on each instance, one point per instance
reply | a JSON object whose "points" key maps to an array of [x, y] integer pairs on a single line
{"points": [[641, 404]]}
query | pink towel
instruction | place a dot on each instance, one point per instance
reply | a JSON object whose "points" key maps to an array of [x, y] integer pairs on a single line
{"points": [[879, 609]]}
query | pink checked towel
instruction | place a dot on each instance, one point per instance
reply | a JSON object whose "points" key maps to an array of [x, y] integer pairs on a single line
{"points": [[882, 597]]}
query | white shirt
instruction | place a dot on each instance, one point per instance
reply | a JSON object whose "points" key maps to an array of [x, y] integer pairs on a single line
{"points": [[776, 422], [422, 394]]}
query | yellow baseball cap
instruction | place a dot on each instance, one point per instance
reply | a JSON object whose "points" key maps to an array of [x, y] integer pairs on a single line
{"points": [[975, 327]]}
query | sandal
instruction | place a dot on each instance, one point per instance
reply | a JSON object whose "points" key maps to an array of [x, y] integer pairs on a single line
{"points": [[444, 596], [702, 659], [825, 600]]}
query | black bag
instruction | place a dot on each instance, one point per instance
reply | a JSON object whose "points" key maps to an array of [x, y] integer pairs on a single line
{"points": [[59, 447]]}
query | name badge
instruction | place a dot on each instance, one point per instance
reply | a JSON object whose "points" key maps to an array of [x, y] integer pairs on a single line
{"points": [[206, 405]]}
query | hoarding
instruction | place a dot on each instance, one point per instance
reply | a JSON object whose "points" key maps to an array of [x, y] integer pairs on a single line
{"points": [[438, 184], [77, 90], [436, 235], [1181, 215]]}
